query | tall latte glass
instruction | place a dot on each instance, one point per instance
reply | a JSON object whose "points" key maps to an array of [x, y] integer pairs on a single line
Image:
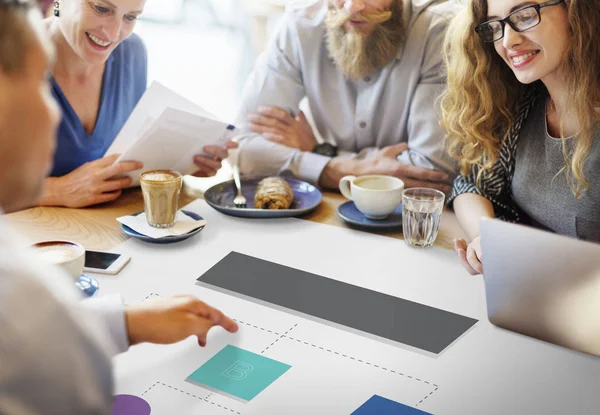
{"points": [[161, 189]]}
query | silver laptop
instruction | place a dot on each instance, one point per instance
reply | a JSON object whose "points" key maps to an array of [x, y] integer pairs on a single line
{"points": [[542, 285]]}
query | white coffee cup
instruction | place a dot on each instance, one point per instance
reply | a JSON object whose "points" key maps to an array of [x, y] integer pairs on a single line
{"points": [[375, 196], [68, 255]]}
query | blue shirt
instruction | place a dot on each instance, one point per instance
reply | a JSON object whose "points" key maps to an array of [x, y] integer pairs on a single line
{"points": [[124, 83]]}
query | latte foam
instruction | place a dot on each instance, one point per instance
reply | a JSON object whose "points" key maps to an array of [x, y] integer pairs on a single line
{"points": [[58, 253], [159, 177]]}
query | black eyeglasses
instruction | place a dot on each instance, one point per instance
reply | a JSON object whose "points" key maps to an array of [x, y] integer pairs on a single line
{"points": [[520, 21]]}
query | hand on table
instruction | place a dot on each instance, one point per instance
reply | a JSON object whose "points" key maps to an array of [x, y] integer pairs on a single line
{"points": [[172, 319], [209, 163], [385, 162], [92, 183], [470, 255], [279, 126]]}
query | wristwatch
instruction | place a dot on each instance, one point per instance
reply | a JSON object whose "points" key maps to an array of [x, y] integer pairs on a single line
{"points": [[325, 149]]}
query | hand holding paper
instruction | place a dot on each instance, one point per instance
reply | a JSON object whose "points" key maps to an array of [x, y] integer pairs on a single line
{"points": [[165, 131]]}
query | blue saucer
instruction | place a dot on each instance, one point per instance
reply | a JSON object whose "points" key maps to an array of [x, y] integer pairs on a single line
{"points": [[165, 239], [353, 216]]}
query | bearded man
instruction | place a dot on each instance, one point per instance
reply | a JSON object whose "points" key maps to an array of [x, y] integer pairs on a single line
{"points": [[371, 71]]}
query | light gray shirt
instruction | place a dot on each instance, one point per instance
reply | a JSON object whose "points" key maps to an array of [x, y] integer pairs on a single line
{"points": [[54, 348], [397, 104]]}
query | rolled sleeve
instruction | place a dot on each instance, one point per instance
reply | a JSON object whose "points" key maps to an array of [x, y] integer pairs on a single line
{"points": [[260, 157], [111, 313], [426, 138]]}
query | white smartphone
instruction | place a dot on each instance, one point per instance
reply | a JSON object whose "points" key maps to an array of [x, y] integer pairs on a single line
{"points": [[104, 262]]}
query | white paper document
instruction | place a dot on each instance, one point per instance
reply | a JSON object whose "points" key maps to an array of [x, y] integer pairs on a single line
{"points": [[165, 131]]}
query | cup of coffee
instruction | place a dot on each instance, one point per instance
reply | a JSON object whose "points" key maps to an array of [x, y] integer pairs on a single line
{"points": [[68, 255], [161, 189], [375, 196]]}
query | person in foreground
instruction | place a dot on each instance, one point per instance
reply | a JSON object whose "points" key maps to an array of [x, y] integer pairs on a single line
{"points": [[99, 76], [371, 71], [55, 349], [522, 112]]}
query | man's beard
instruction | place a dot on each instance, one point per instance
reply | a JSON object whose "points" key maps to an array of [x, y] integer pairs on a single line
{"points": [[358, 55]]}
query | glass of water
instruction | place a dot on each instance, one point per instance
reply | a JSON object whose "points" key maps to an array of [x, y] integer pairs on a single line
{"points": [[421, 213]]}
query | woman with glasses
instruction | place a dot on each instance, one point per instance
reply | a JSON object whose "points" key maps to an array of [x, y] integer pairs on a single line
{"points": [[99, 76], [522, 113]]}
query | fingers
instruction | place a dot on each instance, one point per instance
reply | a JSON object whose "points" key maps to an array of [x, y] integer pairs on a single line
{"points": [[203, 326], [120, 168], [220, 319], [202, 338], [204, 172], [462, 255], [474, 261], [205, 163], [460, 244], [106, 161], [215, 316], [261, 121], [231, 145], [219, 153], [105, 197], [424, 174], [116, 184], [277, 114], [301, 118], [262, 129], [200, 328], [276, 138], [208, 317], [394, 150]]}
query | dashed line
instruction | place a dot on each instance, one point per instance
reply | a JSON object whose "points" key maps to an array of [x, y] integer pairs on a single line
{"points": [[316, 347], [151, 295], [194, 396], [256, 327], [279, 338], [364, 362], [338, 353], [148, 390], [425, 398]]}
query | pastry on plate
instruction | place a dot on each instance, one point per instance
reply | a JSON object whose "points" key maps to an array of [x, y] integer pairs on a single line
{"points": [[273, 193]]}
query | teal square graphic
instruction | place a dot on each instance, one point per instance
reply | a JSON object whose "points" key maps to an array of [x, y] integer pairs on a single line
{"points": [[239, 372]]}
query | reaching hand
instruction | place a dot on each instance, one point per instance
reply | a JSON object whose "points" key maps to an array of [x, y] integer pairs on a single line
{"points": [[172, 319], [280, 127], [471, 255], [384, 162], [92, 183], [211, 162]]}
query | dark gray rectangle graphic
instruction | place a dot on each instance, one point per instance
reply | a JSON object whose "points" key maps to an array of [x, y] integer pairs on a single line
{"points": [[382, 315]]}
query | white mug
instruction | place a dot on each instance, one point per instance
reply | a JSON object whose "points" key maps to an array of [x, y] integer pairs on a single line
{"points": [[70, 256], [375, 196]]}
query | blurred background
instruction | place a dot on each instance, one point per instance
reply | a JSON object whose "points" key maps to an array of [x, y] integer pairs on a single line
{"points": [[205, 49]]}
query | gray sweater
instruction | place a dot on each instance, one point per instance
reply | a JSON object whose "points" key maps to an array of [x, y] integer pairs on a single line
{"points": [[522, 185], [542, 193]]}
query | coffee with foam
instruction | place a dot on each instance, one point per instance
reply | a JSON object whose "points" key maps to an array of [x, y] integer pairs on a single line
{"points": [[159, 176], [68, 255], [59, 253], [161, 189]]}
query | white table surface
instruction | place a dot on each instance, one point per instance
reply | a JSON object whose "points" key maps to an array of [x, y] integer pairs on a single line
{"points": [[487, 371]]}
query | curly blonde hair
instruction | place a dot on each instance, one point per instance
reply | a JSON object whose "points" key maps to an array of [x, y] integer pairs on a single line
{"points": [[482, 96]]}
